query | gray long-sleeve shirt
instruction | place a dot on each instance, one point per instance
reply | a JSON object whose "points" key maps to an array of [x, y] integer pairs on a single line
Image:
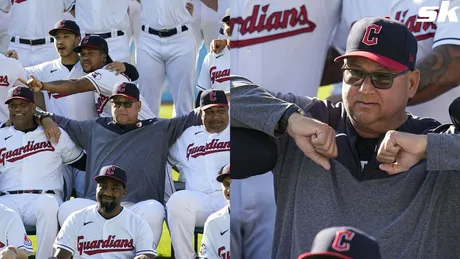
{"points": [[141, 150], [413, 215]]}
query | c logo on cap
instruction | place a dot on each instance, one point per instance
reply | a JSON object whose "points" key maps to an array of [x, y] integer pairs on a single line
{"points": [[17, 91], [342, 240], [111, 170], [122, 88], [85, 40], [368, 39], [212, 96]]}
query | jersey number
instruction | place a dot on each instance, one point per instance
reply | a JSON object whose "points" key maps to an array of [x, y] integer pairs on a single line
{"points": [[4, 81]]}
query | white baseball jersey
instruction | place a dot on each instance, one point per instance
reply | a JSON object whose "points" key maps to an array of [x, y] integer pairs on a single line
{"points": [[215, 71], [30, 162], [282, 45], [199, 155], [32, 19], [101, 16], [86, 234], [76, 106], [429, 35], [10, 70], [216, 235], [104, 81], [12, 231], [160, 14]]}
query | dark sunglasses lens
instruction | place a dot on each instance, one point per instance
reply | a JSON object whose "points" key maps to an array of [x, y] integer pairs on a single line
{"points": [[125, 104], [382, 81]]}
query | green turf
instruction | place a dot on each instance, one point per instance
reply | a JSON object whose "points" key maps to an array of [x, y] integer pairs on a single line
{"points": [[164, 247]]}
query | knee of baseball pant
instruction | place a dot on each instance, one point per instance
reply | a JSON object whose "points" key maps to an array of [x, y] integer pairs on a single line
{"points": [[47, 205], [179, 204], [152, 211]]}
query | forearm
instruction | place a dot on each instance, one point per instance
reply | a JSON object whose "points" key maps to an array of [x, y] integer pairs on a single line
{"points": [[211, 4], [442, 152], [255, 108], [71, 86], [438, 73]]}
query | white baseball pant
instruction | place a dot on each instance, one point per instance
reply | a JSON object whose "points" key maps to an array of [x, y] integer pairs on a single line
{"points": [[4, 38], [174, 57], [150, 210], [252, 223], [33, 55], [186, 210], [205, 25], [39, 210]]}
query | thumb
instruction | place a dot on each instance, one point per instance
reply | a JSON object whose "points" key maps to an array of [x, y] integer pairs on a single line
{"points": [[391, 168], [22, 80], [48, 135]]}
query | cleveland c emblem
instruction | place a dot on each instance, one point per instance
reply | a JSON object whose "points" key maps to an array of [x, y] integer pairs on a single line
{"points": [[111, 170], [212, 96], [371, 40], [122, 88], [85, 40], [17, 91], [342, 240]]}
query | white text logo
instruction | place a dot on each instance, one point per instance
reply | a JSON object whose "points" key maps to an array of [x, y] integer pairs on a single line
{"points": [[442, 13]]}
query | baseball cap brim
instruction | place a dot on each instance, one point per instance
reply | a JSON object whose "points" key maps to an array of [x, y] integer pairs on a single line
{"points": [[97, 178], [212, 105], [79, 48], [382, 60], [320, 255], [19, 98], [52, 32], [123, 95], [221, 177]]}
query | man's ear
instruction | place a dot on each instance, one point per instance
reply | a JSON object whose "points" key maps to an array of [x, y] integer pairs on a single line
{"points": [[414, 80]]}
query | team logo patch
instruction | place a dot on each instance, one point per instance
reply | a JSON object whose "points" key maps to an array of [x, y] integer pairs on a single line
{"points": [[27, 241], [96, 75]]}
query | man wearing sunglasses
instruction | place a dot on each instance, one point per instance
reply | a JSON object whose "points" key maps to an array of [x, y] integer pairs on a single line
{"points": [[138, 146], [364, 162]]}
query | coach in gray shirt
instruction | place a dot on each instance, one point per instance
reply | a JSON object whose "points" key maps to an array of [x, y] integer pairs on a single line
{"points": [[364, 163], [139, 146]]}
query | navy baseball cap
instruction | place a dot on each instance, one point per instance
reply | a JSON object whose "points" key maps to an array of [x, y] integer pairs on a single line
{"points": [[21, 93], [95, 42], [344, 243], [213, 97], [114, 172], [224, 171], [382, 40], [128, 90], [66, 25]]}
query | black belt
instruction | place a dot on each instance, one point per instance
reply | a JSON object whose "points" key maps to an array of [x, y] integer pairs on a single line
{"points": [[28, 191], [106, 35], [165, 32], [32, 42]]}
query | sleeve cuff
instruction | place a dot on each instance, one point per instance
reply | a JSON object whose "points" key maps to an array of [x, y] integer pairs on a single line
{"points": [[442, 152]]}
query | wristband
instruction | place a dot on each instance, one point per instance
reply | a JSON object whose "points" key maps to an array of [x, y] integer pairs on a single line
{"points": [[283, 123], [13, 249]]}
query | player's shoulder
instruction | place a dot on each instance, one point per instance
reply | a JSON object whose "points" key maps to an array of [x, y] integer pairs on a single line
{"points": [[81, 213], [105, 72], [219, 216], [194, 131]]}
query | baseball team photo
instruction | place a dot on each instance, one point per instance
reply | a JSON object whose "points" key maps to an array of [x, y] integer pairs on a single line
{"points": [[117, 118]]}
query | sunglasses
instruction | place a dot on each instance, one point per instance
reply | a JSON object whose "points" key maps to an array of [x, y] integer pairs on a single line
{"points": [[126, 104], [379, 80]]}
